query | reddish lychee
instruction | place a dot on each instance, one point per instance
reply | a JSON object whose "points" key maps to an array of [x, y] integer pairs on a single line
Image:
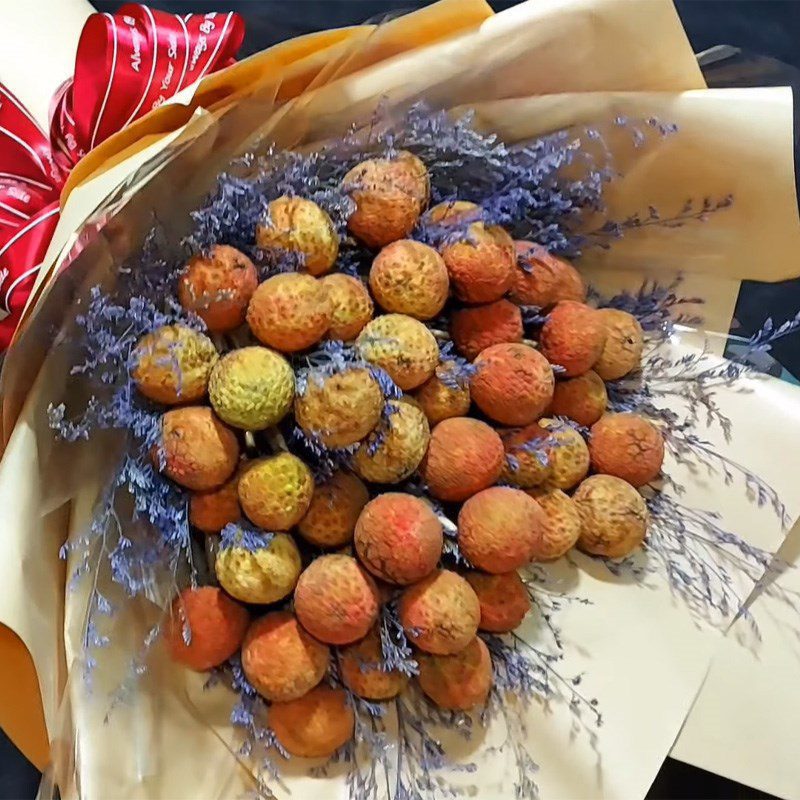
{"points": [[628, 446], [573, 337], [458, 682], [541, 279], [475, 329], [528, 458], [211, 511], [362, 669], [569, 455], [503, 598], [622, 352], [335, 506], [445, 395], [563, 523], [582, 399]]}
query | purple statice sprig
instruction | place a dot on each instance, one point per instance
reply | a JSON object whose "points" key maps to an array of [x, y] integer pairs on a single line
{"points": [[396, 651], [454, 371], [244, 536]]}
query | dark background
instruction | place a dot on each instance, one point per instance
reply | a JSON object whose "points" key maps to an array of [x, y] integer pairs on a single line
{"points": [[768, 33]]}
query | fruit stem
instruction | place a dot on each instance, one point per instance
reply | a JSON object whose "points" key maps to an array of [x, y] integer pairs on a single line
{"points": [[276, 440]]}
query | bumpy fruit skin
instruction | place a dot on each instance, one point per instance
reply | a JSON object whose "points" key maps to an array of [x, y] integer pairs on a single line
{"points": [[563, 523], [541, 279], [458, 682], [613, 516], [300, 226], [340, 409], [569, 457], [464, 456], [628, 446], [475, 329], [289, 312], [315, 725], [211, 511], [391, 455], [513, 384], [351, 305], [215, 623], [503, 598], [196, 450], [275, 492], [259, 576], [360, 668], [252, 388], [583, 399], [499, 529], [280, 659], [481, 265], [527, 461], [398, 538], [440, 400], [408, 277], [389, 197], [173, 364], [573, 337], [335, 506], [440, 614], [336, 600], [622, 352], [218, 287], [402, 346]]}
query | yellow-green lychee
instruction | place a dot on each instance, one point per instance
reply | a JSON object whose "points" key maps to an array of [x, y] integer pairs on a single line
{"points": [[528, 454], [275, 492], [444, 395], [569, 455], [563, 525]]}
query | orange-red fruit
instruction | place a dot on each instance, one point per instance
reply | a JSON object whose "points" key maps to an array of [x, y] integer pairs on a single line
{"points": [[464, 456], [289, 312], [528, 456], [622, 352], [573, 337], [361, 667], [211, 511], [475, 329], [628, 446], [563, 523], [196, 450], [315, 725], [481, 265], [440, 614], [218, 287], [499, 529], [583, 399], [280, 659], [335, 600], [513, 383], [541, 279], [335, 506], [214, 624], [503, 598], [458, 682], [351, 305], [398, 538]]}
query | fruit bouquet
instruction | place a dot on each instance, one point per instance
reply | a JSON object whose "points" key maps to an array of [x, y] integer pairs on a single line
{"points": [[376, 488]]}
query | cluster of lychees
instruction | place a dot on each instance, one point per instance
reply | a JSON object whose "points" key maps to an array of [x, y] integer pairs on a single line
{"points": [[489, 442]]}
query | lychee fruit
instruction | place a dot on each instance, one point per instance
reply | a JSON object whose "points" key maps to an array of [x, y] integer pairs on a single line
{"points": [[613, 516], [628, 446], [408, 277], [263, 574], [335, 506], [300, 226], [541, 279], [622, 351], [499, 529], [398, 538], [389, 194], [569, 456], [474, 329], [563, 525], [196, 450], [205, 628], [289, 312], [503, 599], [513, 383], [527, 461], [212, 510], [573, 337], [464, 456], [582, 399], [218, 286], [173, 364], [444, 395], [402, 346], [340, 409], [252, 388], [351, 305], [275, 492], [363, 671], [440, 614], [281, 660], [336, 600], [457, 682], [315, 725]]}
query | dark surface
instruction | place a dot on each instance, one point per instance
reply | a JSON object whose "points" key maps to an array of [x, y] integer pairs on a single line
{"points": [[770, 28]]}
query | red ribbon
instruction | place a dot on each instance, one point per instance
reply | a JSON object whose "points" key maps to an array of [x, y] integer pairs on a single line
{"points": [[127, 64]]}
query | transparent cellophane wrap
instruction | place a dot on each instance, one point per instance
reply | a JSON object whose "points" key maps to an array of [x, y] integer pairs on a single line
{"points": [[530, 71]]}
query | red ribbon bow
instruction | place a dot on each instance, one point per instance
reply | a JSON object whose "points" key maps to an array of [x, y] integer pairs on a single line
{"points": [[127, 64]]}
